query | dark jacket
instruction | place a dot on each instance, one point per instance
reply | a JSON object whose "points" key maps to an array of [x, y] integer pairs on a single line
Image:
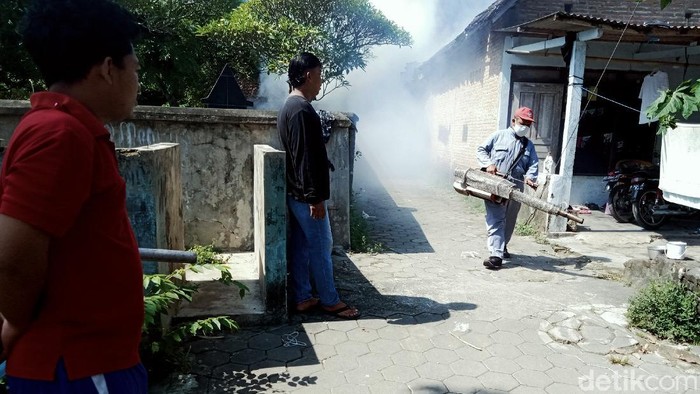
{"points": [[299, 127]]}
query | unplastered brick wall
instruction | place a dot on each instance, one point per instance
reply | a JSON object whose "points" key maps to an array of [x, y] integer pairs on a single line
{"points": [[620, 10], [465, 113]]}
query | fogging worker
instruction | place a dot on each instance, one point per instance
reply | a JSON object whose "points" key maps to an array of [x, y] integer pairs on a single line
{"points": [[71, 283], [308, 188], [511, 154]]}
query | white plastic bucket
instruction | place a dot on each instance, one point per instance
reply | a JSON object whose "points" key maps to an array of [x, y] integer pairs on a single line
{"points": [[676, 250]]}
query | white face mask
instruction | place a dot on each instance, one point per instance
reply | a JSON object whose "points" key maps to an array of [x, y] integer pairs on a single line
{"points": [[521, 130]]}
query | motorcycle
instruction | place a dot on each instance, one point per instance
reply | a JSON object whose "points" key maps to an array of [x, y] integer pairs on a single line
{"points": [[649, 208], [618, 184]]}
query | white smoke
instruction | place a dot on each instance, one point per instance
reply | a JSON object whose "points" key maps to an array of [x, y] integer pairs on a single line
{"points": [[393, 126]]}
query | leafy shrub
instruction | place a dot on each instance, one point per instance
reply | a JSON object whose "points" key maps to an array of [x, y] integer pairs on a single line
{"points": [[160, 347], [667, 310]]}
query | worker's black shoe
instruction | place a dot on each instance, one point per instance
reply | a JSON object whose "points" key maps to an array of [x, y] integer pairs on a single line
{"points": [[506, 255], [493, 263]]}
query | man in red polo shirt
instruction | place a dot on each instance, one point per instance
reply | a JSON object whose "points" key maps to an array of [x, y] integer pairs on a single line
{"points": [[71, 292]]}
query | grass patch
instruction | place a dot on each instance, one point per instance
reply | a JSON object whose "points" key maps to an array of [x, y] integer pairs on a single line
{"points": [[528, 230], [360, 240], [667, 310], [619, 360]]}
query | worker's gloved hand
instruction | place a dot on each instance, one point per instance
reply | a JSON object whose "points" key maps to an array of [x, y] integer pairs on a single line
{"points": [[530, 183], [491, 169]]}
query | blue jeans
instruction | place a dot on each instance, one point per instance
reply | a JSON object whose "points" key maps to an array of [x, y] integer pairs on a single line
{"points": [[309, 253], [132, 380]]}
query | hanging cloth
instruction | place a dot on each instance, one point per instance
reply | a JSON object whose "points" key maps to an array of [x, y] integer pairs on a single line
{"points": [[652, 87]]}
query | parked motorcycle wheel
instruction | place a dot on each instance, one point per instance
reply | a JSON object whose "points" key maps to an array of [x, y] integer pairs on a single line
{"points": [[620, 204], [643, 212]]}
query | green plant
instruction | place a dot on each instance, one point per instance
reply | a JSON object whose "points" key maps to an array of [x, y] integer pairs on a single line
{"points": [[360, 241], [160, 347], [667, 310], [525, 230], [475, 205]]}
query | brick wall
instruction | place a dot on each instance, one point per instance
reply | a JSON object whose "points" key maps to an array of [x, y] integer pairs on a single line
{"points": [[464, 114]]}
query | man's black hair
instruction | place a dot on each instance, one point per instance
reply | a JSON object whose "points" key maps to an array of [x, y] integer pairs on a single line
{"points": [[298, 67], [66, 38]]}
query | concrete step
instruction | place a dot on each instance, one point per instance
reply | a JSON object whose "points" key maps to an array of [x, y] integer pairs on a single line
{"points": [[217, 299]]}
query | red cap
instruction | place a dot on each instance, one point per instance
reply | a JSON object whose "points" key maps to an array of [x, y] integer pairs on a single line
{"points": [[525, 113]]}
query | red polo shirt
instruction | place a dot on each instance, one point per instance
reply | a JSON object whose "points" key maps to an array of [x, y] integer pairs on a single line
{"points": [[60, 175]]}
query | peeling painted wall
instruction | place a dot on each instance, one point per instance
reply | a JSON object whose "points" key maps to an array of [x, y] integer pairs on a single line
{"points": [[216, 148]]}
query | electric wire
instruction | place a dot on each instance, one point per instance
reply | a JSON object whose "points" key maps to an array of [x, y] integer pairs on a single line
{"points": [[582, 113]]}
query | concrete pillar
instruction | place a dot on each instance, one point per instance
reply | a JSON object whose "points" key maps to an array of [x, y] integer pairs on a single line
{"points": [[154, 198], [560, 187], [270, 223], [341, 153]]}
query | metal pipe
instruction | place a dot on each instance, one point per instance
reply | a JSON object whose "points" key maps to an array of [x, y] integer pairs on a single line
{"points": [[167, 255]]}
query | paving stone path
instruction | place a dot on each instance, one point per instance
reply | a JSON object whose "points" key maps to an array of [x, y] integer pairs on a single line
{"points": [[435, 321]]}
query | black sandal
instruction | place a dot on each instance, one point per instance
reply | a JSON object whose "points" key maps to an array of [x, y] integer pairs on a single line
{"points": [[338, 313]]}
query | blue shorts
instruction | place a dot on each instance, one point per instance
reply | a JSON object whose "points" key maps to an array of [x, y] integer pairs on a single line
{"points": [[132, 380]]}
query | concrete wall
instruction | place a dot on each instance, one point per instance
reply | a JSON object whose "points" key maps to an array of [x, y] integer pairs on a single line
{"points": [[216, 147], [154, 198], [271, 228]]}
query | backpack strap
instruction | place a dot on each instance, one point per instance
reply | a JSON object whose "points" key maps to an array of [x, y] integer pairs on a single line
{"points": [[523, 145]]}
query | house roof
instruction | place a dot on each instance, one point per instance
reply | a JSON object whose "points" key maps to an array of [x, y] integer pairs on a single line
{"points": [[559, 23]]}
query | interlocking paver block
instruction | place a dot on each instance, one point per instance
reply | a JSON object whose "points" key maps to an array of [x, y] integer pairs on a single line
{"points": [[390, 387], [319, 351], [565, 361], [304, 366], [329, 379], [463, 384], [423, 385], [364, 376], [561, 388], [446, 341], [226, 371], [533, 378], [504, 350], [213, 358], [527, 390], [500, 364], [384, 346], [399, 373], [393, 332], [352, 349], [248, 356], [416, 344], [441, 356], [434, 371], [564, 375], [331, 337], [340, 363], [512, 325], [469, 353], [476, 339], [264, 341], [534, 363], [482, 327], [315, 327], [342, 325], [374, 361], [535, 349], [507, 337], [350, 389], [285, 354], [408, 358], [498, 381], [362, 334], [468, 368], [372, 324]]}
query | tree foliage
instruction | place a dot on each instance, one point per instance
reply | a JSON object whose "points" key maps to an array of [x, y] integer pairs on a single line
{"points": [[185, 43], [268, 33]]}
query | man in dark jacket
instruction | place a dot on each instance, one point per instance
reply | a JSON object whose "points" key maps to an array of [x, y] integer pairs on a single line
{"points": [[308, 187]]}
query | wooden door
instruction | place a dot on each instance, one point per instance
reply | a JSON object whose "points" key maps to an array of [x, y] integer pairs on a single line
{"points": [[545, 100]]}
